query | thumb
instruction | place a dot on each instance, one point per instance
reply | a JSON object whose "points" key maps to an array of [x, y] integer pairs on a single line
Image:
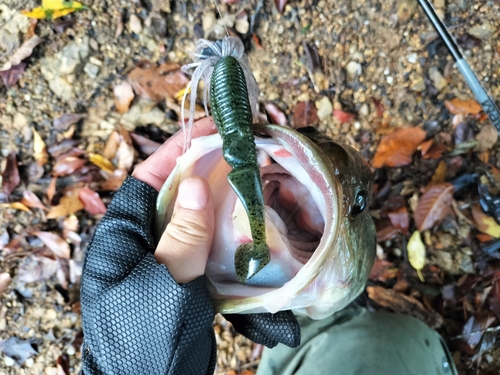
{"points": [[186, 242]]}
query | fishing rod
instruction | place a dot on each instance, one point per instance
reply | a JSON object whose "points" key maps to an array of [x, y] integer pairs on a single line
{"points": [[486, 101]]}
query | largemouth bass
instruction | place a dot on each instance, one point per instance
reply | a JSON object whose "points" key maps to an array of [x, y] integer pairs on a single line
{"points": [[318, 226]]}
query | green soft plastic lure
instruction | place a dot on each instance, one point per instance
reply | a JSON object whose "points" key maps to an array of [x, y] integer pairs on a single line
{"points": [[224, 68]]}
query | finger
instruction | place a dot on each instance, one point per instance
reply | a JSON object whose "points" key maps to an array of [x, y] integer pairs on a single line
{"points": [[155, 169], [186, 242]]}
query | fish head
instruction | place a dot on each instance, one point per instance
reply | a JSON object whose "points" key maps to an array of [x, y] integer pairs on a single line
{"points": [[318, 225]]}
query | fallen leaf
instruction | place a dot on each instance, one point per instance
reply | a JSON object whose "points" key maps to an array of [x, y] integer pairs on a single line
{"points": [[145, 145], [425, 146], [486, 138], [157, 82], [403, 304], [114, 181], [32, 201], [63, 122], [485, 223], [10, 175], [36, 268], [383, 270], [439, 175], [257, 42], [465, 107], [387, 232], [5, 280], [92, 203], [276, 114], [56, 244], [280, 5], [52, 9], [435, 151], [68, 205], [11, 77], [112, 145], [63, 365], [39, 149], [60, 26], [101, 162], [67, 166], [416, 253], [400, 219], [31, 31], [397, 149], [344, 117], [24, 51], [124, 95], [305, 114], [433, 206], [17, 349], [51, 190], [16, 206], [125, 152]]}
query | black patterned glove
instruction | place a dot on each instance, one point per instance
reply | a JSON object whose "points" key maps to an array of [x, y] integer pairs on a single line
{"points": [[136, 318]]}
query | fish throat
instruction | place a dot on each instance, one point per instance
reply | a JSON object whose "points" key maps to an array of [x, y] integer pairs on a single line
{"points": [[232, 114]]}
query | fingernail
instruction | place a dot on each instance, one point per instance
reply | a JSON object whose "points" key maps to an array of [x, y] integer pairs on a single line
{"points": [[192, 194]]}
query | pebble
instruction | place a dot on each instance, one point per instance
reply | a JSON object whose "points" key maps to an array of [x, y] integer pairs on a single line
{"points": [[412, 58], [483, 31], [437, 78], [324, 107], [29, 362], [418, 84], [242, 26], [390, 80], [50, 314], [364, 110], [208, 22], [91, 70], [9, 362], [353, 69], [95, 61], [135, 24], [70, 351]]}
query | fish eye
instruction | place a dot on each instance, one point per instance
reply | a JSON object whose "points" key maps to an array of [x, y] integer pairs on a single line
{"points": [[359, 204]]}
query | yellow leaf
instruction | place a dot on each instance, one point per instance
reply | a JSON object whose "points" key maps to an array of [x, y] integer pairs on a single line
{"points": [[485, 223], [52, 9], [416, 253], [68, 205], [16, 205], [181, 92], [102, 162], [39, 148]]}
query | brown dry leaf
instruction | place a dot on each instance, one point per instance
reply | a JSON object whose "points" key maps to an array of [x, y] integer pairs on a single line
{"points": [[16, 206], [276, 114], [37, 268], [145, 145], [30, 32], [125, 152], [157, 82], [439, 175], [305, 114], [68, 205], [435, 151], [485, 223], [10, 176], [32, 201], [199, 112], [11, 77], [56, 244], [51, 190], [404, 304], [464, 107], [425, 146], [39, 149], [383, 270], [486, 138], [24, 51], [433, 206], [92, 203], [102, 162], [124, 95], [5, 280], [64, 122], [114, 181], [416, 253], [379, 107], [67, 166], [112, 145], [400, 219], [396, 149]]}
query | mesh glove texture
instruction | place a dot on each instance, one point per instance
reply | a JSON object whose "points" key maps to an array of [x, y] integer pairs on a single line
{"points": [[136, 318]]}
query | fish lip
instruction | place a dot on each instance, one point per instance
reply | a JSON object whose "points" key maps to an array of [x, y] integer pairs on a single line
{"points": [[303, 149]]}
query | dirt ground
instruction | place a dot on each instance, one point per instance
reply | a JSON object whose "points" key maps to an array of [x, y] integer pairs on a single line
{"points": [[377, 61]]}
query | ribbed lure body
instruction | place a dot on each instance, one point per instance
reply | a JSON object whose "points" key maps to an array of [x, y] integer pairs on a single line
{"points": [[232, 114]]}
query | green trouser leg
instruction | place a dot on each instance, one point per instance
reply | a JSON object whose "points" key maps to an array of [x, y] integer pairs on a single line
{"points": [[357, 342]]}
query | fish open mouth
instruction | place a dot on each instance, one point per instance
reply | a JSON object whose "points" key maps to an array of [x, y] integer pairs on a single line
{"points": [[293, 203]]}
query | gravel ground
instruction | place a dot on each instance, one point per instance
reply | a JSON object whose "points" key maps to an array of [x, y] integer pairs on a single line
{"points": [[381, 49]]}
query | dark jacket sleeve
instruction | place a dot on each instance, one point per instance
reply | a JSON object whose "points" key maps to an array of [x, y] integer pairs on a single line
{"points": [[136, 318]]}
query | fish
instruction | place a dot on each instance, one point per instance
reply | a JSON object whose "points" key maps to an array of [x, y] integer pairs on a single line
{"points": [[319, 229]]}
